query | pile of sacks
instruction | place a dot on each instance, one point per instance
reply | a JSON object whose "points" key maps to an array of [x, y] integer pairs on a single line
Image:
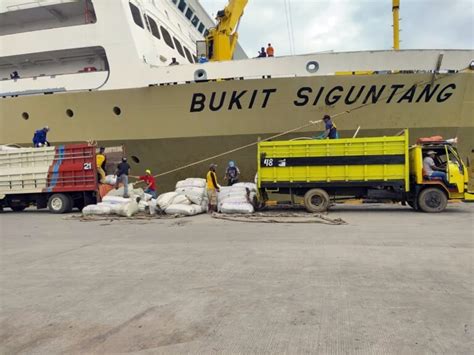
{"points": [[114, 203], [238, 198], [188, 199]]}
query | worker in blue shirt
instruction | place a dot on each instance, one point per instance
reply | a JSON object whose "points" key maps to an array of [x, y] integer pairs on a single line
{"points": [[330, 128], [40, 139]]}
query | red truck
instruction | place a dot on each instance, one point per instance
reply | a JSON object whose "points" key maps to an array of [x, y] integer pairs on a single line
{"points": [[60, 178]]}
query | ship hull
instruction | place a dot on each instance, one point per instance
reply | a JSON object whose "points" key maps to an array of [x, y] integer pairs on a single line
{"points": [[166, 127]]}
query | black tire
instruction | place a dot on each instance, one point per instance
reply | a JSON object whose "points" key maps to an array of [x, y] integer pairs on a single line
{"points": [[316, 200], [432, 200], [60, 203]]}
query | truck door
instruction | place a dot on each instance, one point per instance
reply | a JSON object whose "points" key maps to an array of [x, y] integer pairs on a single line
{"points": [[454, 169]]}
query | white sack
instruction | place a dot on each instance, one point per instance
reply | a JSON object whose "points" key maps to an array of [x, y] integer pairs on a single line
{"points": [[137, 192], [110, 179], [119, 191], [96, 210], [194, 194], [180, 200], [191, 182], [165, 200], [142, 205], [115, 200], [187, 210], [237, 208], [147, 197], [249, 185], [152, 206], [128, 209]]}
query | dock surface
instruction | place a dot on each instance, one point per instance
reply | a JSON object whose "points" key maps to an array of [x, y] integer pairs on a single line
{"points": [[390, 281]]}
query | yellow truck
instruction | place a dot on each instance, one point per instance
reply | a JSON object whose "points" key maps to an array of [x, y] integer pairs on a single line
{"points": [[374, 168]]}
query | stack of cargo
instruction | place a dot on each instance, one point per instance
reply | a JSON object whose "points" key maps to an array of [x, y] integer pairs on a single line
{"points": [[237, 198], [189, 198]]}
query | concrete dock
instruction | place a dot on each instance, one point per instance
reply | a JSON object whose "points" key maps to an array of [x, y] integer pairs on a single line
{"points": [[390, 281]]}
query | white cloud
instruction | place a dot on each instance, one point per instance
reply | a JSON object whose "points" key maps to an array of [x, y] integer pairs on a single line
{"points": [[343, 25]]}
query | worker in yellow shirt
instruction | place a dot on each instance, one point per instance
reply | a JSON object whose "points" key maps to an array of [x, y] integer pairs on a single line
{"points": [[212, 187], [101, 161]]}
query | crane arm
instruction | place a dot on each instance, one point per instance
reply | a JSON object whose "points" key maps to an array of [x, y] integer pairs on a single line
{"points": [[222, 39]]}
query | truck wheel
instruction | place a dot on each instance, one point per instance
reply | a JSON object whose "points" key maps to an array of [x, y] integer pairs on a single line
{"points": [[432, 200], [59, 203], [316, 200]]}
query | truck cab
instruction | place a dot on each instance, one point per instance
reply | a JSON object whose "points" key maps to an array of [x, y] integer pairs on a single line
{"points": [[438, 191]]}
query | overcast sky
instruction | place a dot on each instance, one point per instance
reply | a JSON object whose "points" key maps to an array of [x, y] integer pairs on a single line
{"points": [[344, 25]]}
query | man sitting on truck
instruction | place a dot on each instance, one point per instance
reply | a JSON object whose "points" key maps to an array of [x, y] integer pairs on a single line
{"points": [[39, 138], [430, 170], [122, 176]]}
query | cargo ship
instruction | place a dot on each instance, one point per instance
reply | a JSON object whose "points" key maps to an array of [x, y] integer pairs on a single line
{"points": [[99, 71]]}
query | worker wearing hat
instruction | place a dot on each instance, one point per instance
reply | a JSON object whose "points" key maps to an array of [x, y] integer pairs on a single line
{"points": [[431, 170], [212, 187], [330, 128], [149, 181], [40, 139]]}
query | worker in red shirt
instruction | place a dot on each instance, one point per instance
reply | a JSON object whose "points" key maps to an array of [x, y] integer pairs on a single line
{"points": [[150, 183]]}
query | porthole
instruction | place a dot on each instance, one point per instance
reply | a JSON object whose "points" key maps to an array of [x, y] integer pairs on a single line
{"points": [[135, 159], [117, 110], [312, 67], [200, 75], [69, 113], [25, 115]]}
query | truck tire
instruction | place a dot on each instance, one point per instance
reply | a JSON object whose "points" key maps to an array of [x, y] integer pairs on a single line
{"points": [[316, 200], [60, 203], [432, 200]]}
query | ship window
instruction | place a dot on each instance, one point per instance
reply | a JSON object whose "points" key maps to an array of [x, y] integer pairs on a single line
{"points": [[195, 21], [153, 27], [201, 28], [182, 5], [25, 115], [167, 37], [178, 47], [137, 16], [206, 32], [189, 13], [188, 55], [117, 110], [69, 113]]}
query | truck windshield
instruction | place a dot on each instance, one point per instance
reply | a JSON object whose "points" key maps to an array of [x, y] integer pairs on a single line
{"points": [[454, 158]]}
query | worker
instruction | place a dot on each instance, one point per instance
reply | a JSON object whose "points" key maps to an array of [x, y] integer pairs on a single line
{"points": [[14, 75], [212, 187], [150, 183], [123, 169], [430, 170], [174, 62], [40, 137], [101, 159], [232, 173], [262, 53], [330, 128], [203, 59], [270, 50]]}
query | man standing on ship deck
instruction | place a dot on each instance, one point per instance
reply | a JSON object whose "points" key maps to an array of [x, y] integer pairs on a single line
{"points": [[122, 176], [270, 50], [212, 187]]}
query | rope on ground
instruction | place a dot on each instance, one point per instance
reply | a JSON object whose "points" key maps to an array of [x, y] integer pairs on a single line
{"points": [[310, 123], [287, 217]]}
